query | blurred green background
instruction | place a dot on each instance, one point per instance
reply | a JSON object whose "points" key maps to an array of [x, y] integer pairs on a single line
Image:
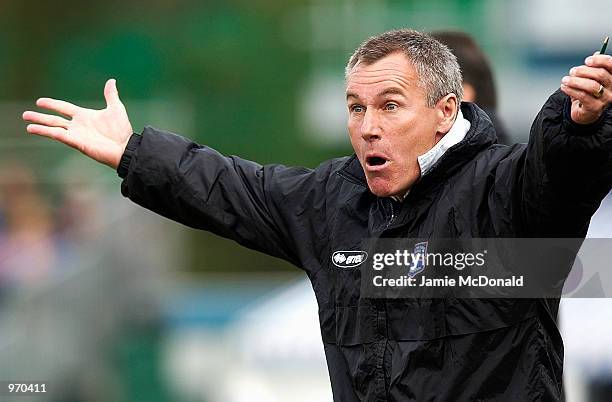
{"points": [[109, 302]]}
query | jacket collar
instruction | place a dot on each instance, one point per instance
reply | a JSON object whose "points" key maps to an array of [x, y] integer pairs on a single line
{"points": [[480, 135]]}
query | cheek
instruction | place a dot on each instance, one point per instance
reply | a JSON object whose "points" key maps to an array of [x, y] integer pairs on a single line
{"points": [[418, 138]]}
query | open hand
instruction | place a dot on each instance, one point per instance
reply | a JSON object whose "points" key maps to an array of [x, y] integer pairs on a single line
{"points": [[100, 134]]}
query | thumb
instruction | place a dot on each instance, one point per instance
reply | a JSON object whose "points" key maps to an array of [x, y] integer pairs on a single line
{"points": [[111, 94]]}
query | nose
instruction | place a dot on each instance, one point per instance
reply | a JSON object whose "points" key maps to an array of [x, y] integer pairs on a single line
{"points": [[370, 126]]}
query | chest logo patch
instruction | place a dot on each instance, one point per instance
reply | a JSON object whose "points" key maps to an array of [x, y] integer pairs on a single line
{"points": [[348, 259]]}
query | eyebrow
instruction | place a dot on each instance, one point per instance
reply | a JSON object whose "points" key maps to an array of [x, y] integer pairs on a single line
{"points": [[388, 91]]}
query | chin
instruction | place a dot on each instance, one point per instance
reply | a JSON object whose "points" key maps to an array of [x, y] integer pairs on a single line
{"points": [[381, 189]]}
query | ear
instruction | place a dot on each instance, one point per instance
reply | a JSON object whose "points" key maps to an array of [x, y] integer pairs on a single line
{"points": [[446, 109]]}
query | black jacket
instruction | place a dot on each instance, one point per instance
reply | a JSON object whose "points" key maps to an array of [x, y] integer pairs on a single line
{"points": [[398, 349], [500, 129]]}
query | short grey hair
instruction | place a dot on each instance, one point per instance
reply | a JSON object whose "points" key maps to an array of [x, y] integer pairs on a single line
{"points": [[437, 67]]}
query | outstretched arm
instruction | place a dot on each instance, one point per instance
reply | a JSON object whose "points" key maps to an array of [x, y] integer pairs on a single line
{"points": [[261, 207], [100, 134], [567, 168], [267, 208]]}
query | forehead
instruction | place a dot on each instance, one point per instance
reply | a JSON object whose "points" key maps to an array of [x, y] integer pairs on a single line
{"points": [[392, 71]]}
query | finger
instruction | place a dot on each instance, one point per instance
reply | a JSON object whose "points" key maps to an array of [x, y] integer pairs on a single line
{"points": [[45, 119], [598, 74], [582, 84], [111, 94], [587, 100], [600, 60], [59, 106], [56, 133]]}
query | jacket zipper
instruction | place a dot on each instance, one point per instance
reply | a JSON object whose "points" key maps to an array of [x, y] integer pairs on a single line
{"points": [[392, 215]]}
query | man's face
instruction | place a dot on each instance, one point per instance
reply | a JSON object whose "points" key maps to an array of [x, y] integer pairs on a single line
{"points": [[389, 123]]}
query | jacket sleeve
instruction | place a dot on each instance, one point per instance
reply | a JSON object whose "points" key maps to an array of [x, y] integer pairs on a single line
{"points": [[564, 173], [260, 207]]}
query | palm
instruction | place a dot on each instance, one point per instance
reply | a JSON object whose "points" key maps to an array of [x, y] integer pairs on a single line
{"points": [[99, 134]]}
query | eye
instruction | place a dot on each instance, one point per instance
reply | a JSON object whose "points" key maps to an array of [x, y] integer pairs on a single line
{"points": [[391, 106], [356, 108]]}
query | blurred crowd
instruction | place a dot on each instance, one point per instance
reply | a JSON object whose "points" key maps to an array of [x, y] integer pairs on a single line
{"points": [[34, 236], [72, 285]]}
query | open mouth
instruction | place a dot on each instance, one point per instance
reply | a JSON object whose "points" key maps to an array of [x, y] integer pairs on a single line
{"points": [[375, 161]]}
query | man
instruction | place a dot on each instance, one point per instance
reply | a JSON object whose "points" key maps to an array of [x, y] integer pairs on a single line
{"points": [[425, 166], [478, 80]]}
